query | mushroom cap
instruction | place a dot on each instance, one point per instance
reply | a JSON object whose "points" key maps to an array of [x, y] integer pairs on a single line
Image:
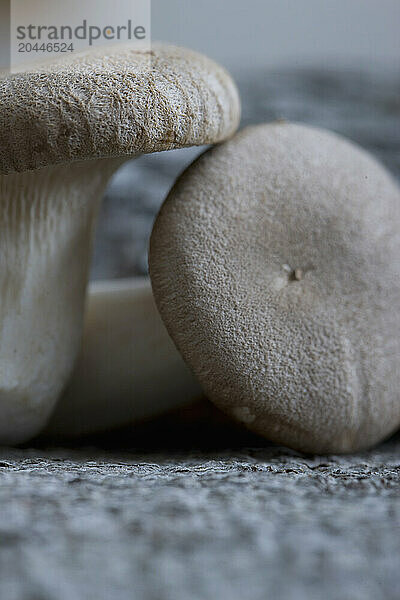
{"points": [[275, 264], [113, 102]]}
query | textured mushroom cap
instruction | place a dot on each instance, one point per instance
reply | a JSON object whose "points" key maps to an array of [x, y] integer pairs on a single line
{"points": [[275, 264], [118, 102]]}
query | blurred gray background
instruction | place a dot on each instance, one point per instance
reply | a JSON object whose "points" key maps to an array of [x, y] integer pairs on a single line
{"points": [[243, 33], [271, 33], [331, 63]]}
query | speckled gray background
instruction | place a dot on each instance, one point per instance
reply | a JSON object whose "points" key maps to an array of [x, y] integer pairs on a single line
{"points": [[108, 521]]}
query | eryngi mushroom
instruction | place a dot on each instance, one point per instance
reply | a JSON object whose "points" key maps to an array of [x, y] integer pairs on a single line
{"points": [[65, 127], [275, 264]]}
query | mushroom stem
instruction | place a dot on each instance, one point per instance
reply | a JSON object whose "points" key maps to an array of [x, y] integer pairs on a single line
{"points": [[128, 370], [46, 221]]}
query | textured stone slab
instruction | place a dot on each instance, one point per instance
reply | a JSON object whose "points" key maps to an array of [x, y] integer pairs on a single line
{"points": [[241, 524]]}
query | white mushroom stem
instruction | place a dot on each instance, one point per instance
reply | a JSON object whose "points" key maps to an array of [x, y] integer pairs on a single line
{"points": [[128, 370], [46, 229]]}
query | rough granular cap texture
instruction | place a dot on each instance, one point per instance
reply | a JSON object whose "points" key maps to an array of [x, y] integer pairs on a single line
{"points": [[275, 264], [116, 103]]}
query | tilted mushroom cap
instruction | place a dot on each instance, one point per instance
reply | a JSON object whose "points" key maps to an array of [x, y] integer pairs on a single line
{"points": [[275, 264], [114, 102]]}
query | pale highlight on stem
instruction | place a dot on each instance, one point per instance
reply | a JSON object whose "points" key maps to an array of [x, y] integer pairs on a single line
{"points": [[129, 368]]}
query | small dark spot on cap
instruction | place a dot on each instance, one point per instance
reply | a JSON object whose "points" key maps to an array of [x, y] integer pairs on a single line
{"points": [[296, 275]]}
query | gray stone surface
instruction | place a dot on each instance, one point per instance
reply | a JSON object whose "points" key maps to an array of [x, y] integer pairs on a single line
{"points": [[245, 524]]}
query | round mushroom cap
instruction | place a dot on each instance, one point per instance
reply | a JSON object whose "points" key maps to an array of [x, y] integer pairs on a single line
{"points": [[275, 264], [113, 102]]}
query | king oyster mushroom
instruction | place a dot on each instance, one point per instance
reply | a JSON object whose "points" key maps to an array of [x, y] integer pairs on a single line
{"points": [[65, 127], [128, 369], [275, 264]]}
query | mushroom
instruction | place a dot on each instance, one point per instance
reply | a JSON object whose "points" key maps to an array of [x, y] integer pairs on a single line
{"points": [[129, 368], [275, 266], [65, 127]]}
